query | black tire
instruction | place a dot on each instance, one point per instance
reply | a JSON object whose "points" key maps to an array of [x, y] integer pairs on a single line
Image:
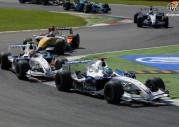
{"points": [[5, 63], [135, 17], [106, 6], [22, 67], [60, 47], [155, 83], [87, 8], [22, 1], [113, 92], [166, 20], [63, 81], [66, 5], [76, 41], [60, 61], [44, 2], [140, 21]]}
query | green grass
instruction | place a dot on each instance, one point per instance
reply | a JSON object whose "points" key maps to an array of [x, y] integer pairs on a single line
{"points": [[13, 19], [134, 2], [115, 62]]}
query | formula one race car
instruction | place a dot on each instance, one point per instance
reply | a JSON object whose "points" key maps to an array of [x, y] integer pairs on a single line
{"points": [[55, 42], [99, 80], [43, 2], [86, 6], [151, 17], [30, 63]]}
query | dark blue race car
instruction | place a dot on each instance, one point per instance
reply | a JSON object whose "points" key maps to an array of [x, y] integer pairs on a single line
{"points": [[86, 6]]}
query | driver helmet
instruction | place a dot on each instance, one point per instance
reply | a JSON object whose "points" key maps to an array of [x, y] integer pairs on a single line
{"points": [[151, 12], [107, 72], [31, 53]]}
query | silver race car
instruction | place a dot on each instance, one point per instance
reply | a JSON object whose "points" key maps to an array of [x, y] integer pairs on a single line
{"points": [[114, 86], [151, 17], [30, 63]]}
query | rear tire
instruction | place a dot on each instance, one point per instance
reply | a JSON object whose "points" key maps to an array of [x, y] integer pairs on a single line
{"points": [[113, 92], [66, 5], [22, 1], [155, 83], [44, 2], [59, 62], [21, 68], [76, 41], [63, 81], [87, 8], [106, 6], [60, 47], [5, 63]]}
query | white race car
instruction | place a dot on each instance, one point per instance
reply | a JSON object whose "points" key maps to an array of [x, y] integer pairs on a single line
{"points": [[151, 17], [99, 80], [31, 63]]}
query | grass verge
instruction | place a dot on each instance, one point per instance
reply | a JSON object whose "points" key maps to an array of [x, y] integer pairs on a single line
{"points": [[115, 62], [14, 19]]}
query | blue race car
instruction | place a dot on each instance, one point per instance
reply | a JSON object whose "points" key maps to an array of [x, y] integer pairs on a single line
{"points": [[86, 6]]}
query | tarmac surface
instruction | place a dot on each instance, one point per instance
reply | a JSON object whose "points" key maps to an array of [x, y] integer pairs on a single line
{"points": [[30, 103]]}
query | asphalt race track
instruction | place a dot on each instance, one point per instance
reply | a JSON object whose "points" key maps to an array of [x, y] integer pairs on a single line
{"points": [[33, 104]]}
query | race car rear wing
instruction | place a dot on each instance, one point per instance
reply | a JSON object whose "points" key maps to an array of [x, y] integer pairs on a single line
{"points": [[70, 29], [67, 64]]}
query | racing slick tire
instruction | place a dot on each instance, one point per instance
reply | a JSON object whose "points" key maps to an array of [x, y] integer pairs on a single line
{"points": [[113, 92], [5, 63], [66, 5], [63, 81], [140, 21], [105, 6], [60, 47], [60, 61], [22, 1], [87, 8], [166, 20], [135, 17], [22, 67], [76, 41], [155, 83], [44, 2]]}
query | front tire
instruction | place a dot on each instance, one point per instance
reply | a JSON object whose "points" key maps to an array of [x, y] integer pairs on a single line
{"points": [[63, 81], [140, 21], [113, 92], [166, 20], [21, 68], [155, 83], [135, 17]]}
